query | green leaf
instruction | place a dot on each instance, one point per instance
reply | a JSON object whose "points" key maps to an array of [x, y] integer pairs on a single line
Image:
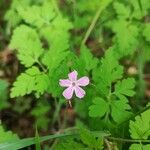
{"points": [[140, 9], [40, 16], [140, 128], [54, 76], [87, 58], [110, 106], [84, 107], [120, 110], [23, 85], [146, 32], [57, 57], [108, 72], [11, 16], [57, 34], [27, 42], [18, 144], [125, 87], [41, 84], [99, 108], [67, 144], [121, 10], [6, 136], [90, 140], [125, 36], [139, 147], [31, 81], [57, 37], [87, 140]]}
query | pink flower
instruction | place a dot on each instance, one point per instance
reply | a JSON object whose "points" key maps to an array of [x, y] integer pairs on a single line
{"points": [[73, 85]]}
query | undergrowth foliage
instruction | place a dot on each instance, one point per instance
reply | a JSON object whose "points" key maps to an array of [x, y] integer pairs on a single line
{"points": [[45, 40]]}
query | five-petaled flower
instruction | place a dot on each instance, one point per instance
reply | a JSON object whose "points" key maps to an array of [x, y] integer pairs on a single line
{"points": [[73, 85]]}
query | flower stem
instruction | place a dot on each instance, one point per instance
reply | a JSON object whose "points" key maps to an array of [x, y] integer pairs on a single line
{"points": [[70, 104], [140, 73]]}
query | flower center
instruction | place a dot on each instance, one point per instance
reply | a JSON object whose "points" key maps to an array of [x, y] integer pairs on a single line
{"points": [[73, 83]]}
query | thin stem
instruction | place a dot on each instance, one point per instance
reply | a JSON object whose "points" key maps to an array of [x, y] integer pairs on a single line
{"points": [[140, 72], [109, 101], [91, 26], [105, 137], [40, 64], [127, 140]]}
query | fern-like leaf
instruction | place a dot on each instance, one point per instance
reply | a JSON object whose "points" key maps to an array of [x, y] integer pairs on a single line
{"points": [[140, 129], [40, 16], [31, 81], [27, 42]]}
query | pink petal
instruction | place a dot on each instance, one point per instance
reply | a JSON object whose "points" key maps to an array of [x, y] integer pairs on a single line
{"points": [[73, 75], [79, 92], [84, 81], [64, 83], [68, 93]]}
